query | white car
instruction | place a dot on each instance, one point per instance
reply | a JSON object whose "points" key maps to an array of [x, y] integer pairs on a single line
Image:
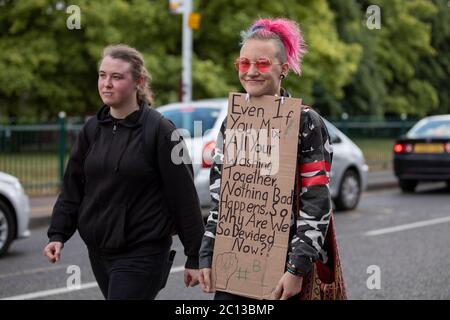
{"points": [[349, 172], [14, 211]]}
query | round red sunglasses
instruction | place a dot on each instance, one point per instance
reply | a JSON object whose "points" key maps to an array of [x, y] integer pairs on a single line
{"points": [[262, 64]]}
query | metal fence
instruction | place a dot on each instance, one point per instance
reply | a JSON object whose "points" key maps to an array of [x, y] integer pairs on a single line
{"points": [[365, 128], [37, 154]]}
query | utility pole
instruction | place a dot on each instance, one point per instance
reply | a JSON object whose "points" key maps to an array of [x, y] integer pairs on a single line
{"points": [[186, 86], [191, 20]]}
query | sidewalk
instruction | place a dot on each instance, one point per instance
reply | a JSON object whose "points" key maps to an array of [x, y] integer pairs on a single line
{"points": [[381, 180], [41, 211], [41, 207]]}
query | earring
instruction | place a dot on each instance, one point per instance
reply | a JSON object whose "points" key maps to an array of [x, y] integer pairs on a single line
{"points": [[282, 76]]}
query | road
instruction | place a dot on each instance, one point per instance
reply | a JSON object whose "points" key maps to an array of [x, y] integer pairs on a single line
{"points": [[397, 243]]}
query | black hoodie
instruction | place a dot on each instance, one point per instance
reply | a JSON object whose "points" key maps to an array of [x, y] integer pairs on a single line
{"points": [[120, 203]]}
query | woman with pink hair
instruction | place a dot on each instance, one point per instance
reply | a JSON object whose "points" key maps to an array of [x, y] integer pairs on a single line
{"points": [[269, 49]]}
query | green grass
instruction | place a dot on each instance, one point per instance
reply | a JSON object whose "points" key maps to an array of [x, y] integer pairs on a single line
{"points": [[39, 172], [378, 152]]}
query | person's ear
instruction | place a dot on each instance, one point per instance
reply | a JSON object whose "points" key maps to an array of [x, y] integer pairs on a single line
{"points": [[140, 82], [284, 70]]}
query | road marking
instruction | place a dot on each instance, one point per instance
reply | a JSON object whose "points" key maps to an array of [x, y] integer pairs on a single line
{"points": [[52, 292], [33, 271], [177, 269], [408, 226]]}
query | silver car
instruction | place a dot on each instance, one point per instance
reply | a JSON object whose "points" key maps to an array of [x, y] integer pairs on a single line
{"points": [[201, 121], [14, 211]]}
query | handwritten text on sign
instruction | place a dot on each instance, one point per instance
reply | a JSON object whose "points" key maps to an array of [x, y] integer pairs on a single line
{"points": [[260, 153]]}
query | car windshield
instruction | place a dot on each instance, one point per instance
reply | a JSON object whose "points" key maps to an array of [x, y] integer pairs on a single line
{"points": [[432, 128], [195, 120], [332, 131]]}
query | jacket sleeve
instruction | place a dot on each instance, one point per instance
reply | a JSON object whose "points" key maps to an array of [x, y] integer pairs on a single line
{"points": [[315, 199], [179, 190], [65, 211], [206, 251]]}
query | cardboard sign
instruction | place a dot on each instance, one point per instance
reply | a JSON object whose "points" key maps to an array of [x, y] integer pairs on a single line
{"points": [[256, 195]]}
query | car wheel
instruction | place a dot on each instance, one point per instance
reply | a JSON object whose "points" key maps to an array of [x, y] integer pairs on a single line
{"points": [[7, 227], [349, 191], [407, 186]]}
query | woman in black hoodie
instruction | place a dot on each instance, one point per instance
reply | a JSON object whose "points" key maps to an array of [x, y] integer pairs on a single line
{"points": [[124, 194]]}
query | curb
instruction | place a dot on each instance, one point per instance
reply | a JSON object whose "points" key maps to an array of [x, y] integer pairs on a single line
{"points": [[382, 185], [44, 220]]}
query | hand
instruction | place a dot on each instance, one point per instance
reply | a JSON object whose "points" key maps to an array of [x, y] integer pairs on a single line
{"points": [[191, 277], [53, 251], [205, 280], [288, 286]]}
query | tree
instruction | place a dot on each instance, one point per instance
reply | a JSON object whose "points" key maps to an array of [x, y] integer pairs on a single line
{"points": [[329, 63], [401, 68], [387, 81], [436, 68], [364, 95], [404, 40], [47, 67]]}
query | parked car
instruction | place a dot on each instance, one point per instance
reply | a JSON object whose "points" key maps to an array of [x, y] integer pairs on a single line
{"points": [[348, 177], [349, 171], [423, 154], [14, 211]]}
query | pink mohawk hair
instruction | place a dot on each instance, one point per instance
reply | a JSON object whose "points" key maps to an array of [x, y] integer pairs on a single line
{"points": [[288, 32]]}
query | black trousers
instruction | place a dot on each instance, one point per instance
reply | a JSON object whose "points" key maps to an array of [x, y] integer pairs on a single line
{"points": [[131, 278]]}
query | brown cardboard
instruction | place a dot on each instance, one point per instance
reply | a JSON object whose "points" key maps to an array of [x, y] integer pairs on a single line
{"points": [[257, 189]]}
